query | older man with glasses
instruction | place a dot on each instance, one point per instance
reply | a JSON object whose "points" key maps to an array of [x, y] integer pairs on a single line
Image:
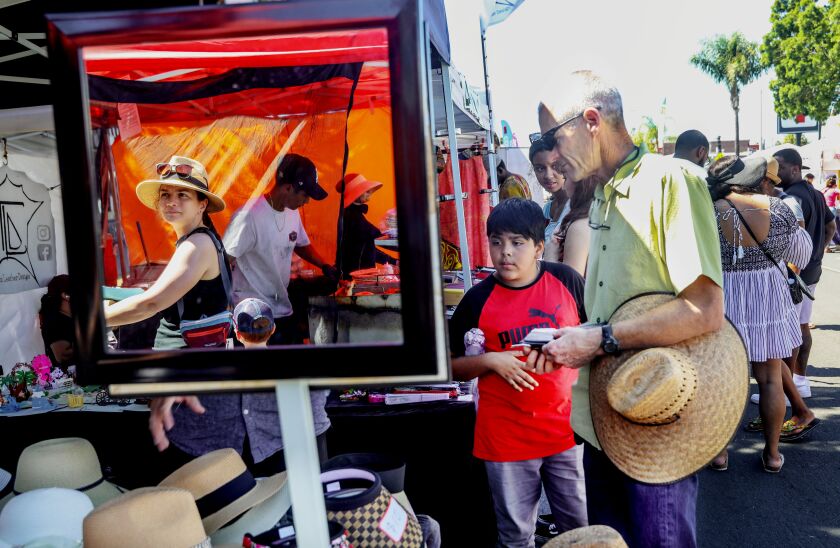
{"points": [[654, 230]]}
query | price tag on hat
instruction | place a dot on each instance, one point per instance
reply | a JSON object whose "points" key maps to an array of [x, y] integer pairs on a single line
{"points": [[394, 521]]}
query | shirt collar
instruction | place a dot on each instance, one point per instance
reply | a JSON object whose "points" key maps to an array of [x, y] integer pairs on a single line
{"points": [[621, 180]]}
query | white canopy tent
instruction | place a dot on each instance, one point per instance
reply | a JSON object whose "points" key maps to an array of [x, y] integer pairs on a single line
{"points": [[30, 148]]}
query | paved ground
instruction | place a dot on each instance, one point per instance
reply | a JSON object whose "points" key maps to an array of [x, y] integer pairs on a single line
{"points": [[745, 506]]}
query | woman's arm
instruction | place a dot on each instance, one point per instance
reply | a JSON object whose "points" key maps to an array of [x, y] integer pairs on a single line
{"points": [[192, 259], [576, 250], [63, 351]]}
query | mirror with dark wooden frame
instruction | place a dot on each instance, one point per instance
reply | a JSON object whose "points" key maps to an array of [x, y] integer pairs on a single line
{"points": [[249, 193]]}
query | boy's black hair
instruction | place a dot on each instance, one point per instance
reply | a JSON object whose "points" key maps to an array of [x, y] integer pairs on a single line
{"points": [[517, 216]]}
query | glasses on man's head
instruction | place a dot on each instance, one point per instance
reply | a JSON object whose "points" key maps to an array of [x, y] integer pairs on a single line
{"points": [[183, 171]]}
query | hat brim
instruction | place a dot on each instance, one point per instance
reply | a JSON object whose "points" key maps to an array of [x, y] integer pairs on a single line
{"points": [[668, 453], [261, 517], [775, 178], [104, 492], [98, 495], [147, 192], [353, 194], [265, 488], [317, 192]]}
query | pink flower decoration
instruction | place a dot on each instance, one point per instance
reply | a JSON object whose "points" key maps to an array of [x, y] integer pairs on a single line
{"points": [[42, 366]]}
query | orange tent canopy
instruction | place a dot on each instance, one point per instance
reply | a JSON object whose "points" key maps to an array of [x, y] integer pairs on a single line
{"points": [[240, 136]]}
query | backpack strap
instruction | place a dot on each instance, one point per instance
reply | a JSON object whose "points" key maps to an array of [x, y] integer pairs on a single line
{"points": [[223, 270]]}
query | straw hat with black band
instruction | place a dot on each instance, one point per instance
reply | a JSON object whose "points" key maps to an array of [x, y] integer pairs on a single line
{"points": [[145, 518], [662, 414], [181, 172], [70, 463], [224, 488]]}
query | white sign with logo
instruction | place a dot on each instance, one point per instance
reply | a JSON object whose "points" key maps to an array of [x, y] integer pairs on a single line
{"points": [[797, 124], [27, 233]]}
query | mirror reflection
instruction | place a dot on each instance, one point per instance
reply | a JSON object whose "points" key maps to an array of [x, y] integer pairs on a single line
{"points": [[247, 191]]}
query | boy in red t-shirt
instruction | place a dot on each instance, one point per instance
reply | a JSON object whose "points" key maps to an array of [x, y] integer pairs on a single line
{"points": [[522, 429]]}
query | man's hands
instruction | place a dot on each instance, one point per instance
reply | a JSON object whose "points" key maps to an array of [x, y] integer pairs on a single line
{"points": [[572, 347], [330, 272], [508, 366], [161, 420]]}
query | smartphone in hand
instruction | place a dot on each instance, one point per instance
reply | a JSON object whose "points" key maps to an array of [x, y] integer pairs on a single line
{"points": [[539, 337]]}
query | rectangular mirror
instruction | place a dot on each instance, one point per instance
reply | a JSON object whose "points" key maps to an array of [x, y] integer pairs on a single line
{"points": [[214, 156]]}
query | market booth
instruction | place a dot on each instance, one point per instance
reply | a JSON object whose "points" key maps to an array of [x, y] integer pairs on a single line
{"points": [[285, 94]]}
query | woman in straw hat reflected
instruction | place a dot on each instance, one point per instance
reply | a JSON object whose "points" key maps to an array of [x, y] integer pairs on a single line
{"points": [[757, 297], [182, 197], [193, 283]]}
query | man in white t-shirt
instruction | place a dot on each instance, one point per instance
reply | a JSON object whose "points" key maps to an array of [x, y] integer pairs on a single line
{"points": [[264, 233]]}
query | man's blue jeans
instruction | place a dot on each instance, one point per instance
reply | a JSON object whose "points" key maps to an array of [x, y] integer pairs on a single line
{"points": [[646, 515]]}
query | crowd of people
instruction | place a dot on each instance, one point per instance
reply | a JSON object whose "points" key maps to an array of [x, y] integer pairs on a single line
{"points": [[731, 237]]}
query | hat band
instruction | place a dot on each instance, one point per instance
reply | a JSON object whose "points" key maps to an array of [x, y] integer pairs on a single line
{"points": [[214, 501], [197, 182], [81, 489]]}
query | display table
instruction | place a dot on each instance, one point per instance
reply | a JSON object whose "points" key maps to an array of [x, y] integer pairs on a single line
{"points": [[435, 440], [119, 434]]}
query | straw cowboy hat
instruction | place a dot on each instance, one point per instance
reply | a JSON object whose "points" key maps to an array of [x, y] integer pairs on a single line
{"points": [[149, 517], [662, 414], [55, 514], [354, 186], [181, 172], [593, 536], [70, 463], [223, 487]]}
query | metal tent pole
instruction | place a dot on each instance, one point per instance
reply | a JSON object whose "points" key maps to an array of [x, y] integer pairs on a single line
{"points": [[491, 145], [463, 245]]}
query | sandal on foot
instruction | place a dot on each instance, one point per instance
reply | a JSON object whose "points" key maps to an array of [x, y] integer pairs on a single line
{"points": [[772, 469], [789, 427], [755, 425], [799, 431]]}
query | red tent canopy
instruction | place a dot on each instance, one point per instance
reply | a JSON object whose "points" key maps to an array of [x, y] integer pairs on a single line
{"points": [[234, 131]]}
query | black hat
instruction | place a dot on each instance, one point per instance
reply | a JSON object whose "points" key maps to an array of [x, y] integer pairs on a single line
{"points": [[790, 156], [300, 172], [747, 173]]}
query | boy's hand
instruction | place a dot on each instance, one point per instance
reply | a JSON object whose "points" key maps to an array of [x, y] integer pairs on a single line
{"points": [[508, 366]]}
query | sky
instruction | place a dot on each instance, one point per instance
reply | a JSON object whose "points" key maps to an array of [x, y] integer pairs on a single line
{"points": [[642, 46]]}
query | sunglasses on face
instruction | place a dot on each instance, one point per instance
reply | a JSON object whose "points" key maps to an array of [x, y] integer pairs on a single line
{"points": [[548, 138], [183, 171]]}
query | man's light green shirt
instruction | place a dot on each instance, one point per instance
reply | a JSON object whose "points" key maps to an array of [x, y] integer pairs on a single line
{"points": [[662, 236]]}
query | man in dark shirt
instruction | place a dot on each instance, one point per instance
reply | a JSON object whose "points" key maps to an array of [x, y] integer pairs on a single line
{"points": [[819, 222], [693, 146]]}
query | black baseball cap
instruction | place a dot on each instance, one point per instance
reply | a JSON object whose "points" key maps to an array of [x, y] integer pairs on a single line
{"points": [[300, 172], [790, 156]]}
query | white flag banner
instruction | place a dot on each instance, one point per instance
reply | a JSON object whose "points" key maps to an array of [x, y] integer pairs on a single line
{"points": [[27, 233]]}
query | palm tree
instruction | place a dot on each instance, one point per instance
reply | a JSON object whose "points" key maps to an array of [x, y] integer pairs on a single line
{"points": [[733, 61]]}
